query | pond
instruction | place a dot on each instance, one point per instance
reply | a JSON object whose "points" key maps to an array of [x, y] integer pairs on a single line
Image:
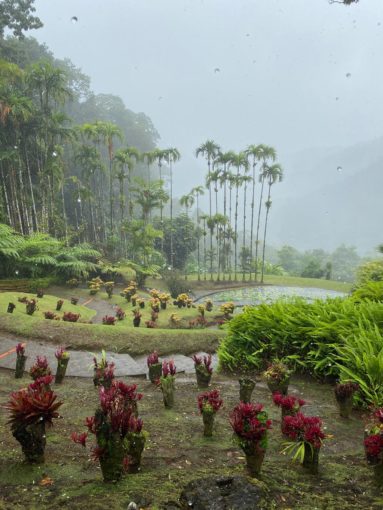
{"points": [[268, 294]]}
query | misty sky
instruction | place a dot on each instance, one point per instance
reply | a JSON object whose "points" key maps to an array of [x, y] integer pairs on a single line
{"points": [[236, 71]]}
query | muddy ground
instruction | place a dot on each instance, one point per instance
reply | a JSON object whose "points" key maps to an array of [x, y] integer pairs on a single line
{"points": [[177, 453]]}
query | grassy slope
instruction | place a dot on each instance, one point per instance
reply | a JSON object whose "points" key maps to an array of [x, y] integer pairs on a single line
{"points": [[122, 337], [176, 453]]}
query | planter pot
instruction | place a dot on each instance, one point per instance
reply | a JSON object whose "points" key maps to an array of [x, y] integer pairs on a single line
{"points": [[203, 377], [279, 387], [98, 378], [20, 366], [345, 406], [142, 305], [246, 388], [30, 308], [59, 306], [135, 447], [208, 423], [61, 370], [179, 304], [33, 440], [136, 322], [254, 458], [311, 459], [155, 372], [112, 462], [11, 307], [378, 474], [134, 302], [163, 305], [167, 387], [40, 294]]}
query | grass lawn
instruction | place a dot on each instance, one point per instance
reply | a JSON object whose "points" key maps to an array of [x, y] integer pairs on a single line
{"points": [[292, 281], [176, 453]]}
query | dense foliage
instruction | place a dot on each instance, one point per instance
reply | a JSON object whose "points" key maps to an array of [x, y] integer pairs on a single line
{"points": [[337, 337]]}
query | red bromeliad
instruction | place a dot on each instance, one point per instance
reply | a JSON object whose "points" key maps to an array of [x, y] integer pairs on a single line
{"points": [[40, 368], [79, 438], [20, 351], [168, 368], [249, 421], [304, 428], [152, 359], [209, 401], [288, 402], [207, 360]]}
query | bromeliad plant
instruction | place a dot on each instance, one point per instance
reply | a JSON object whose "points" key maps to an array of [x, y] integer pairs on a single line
{"points": [[155, 367], [209, 403], [109, 320], [20, 360], [71, 317], [289, 404], [306, 438], [203, 369], [103, 371], [59, 305], [120, 314], [109, 286], [227, 309], [40, 368], [373, 445], [277, 377], [167, 382], [141, 302], [164, 298], [119, 436], [201, 310], [50, 315], [155, 304], [209, 305], [11, 307], [30, 410], [181, 300], [344, 394], [74, 300], [31, 306], [250, 424], [136, 318], [62, 357]]}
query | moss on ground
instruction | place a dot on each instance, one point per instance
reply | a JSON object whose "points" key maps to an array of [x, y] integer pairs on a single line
{"points": [[176, 453]]}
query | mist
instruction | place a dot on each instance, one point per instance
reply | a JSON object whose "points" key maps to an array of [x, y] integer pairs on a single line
{"points": [[304, 77]]}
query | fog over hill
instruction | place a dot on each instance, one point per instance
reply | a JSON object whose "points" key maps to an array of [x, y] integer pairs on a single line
{"points": [[331, 196]]}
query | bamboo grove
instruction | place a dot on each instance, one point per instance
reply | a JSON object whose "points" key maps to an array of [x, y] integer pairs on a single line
{"points": [[83, 182]]}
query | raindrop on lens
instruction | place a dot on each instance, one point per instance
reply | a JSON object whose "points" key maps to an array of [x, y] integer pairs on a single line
{"points": [[54, 154], [339, 168], [74, 19], [348, 75]]}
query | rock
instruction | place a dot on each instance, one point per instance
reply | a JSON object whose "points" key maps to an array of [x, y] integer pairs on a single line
{"points": [[221, 493]]}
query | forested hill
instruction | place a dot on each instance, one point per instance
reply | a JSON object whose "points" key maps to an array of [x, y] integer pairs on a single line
{"points": [[332, 196]]}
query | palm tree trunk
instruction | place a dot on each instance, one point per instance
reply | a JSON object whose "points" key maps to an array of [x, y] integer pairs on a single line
{"points": [[244, 230], [204, 249], [171, 213], [236, 227], [265, 231], [198, 238], [230, 224], [258, 223], [10, 220], [224, 231], [64, 214], [211, 232], [252, 220], [36, 225]]}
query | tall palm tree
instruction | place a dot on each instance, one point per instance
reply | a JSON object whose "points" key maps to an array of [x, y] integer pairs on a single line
{"points": [[172, 155], [149, 196], [132, 156], [209, 150], [272, 174], [255, 153], [187, 201], [266, 153], [239, 161], [245, 179], [224, 158], [204, 218], [149, 157], [122, 161], [196, 192], [160, 156]]}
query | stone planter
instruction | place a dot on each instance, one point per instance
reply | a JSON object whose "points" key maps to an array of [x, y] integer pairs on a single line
{"points": [[345, 406], [33, 440], [163, 305], [203, 376], [167, 387], [135, 447], [278, 386], [59, 306], [62, 365], [136, 322], [20, 366], [142, 305], [254, 458], [112, 461], [208, 423], [98, 378], [134, 302], [378, 474], [246, 388], [311, 459], [11, 307], [155, 372]]}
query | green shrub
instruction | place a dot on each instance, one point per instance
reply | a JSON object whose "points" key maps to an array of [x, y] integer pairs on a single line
{"points": [[370, 290], [360, 359], [306, 335], [370, 271], [175, 284]]}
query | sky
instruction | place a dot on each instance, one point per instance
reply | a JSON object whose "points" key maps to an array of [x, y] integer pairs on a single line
{"points": [[294, 74]]}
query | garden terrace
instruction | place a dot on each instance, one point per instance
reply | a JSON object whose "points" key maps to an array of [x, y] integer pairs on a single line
{"points": [[176, 453]]}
